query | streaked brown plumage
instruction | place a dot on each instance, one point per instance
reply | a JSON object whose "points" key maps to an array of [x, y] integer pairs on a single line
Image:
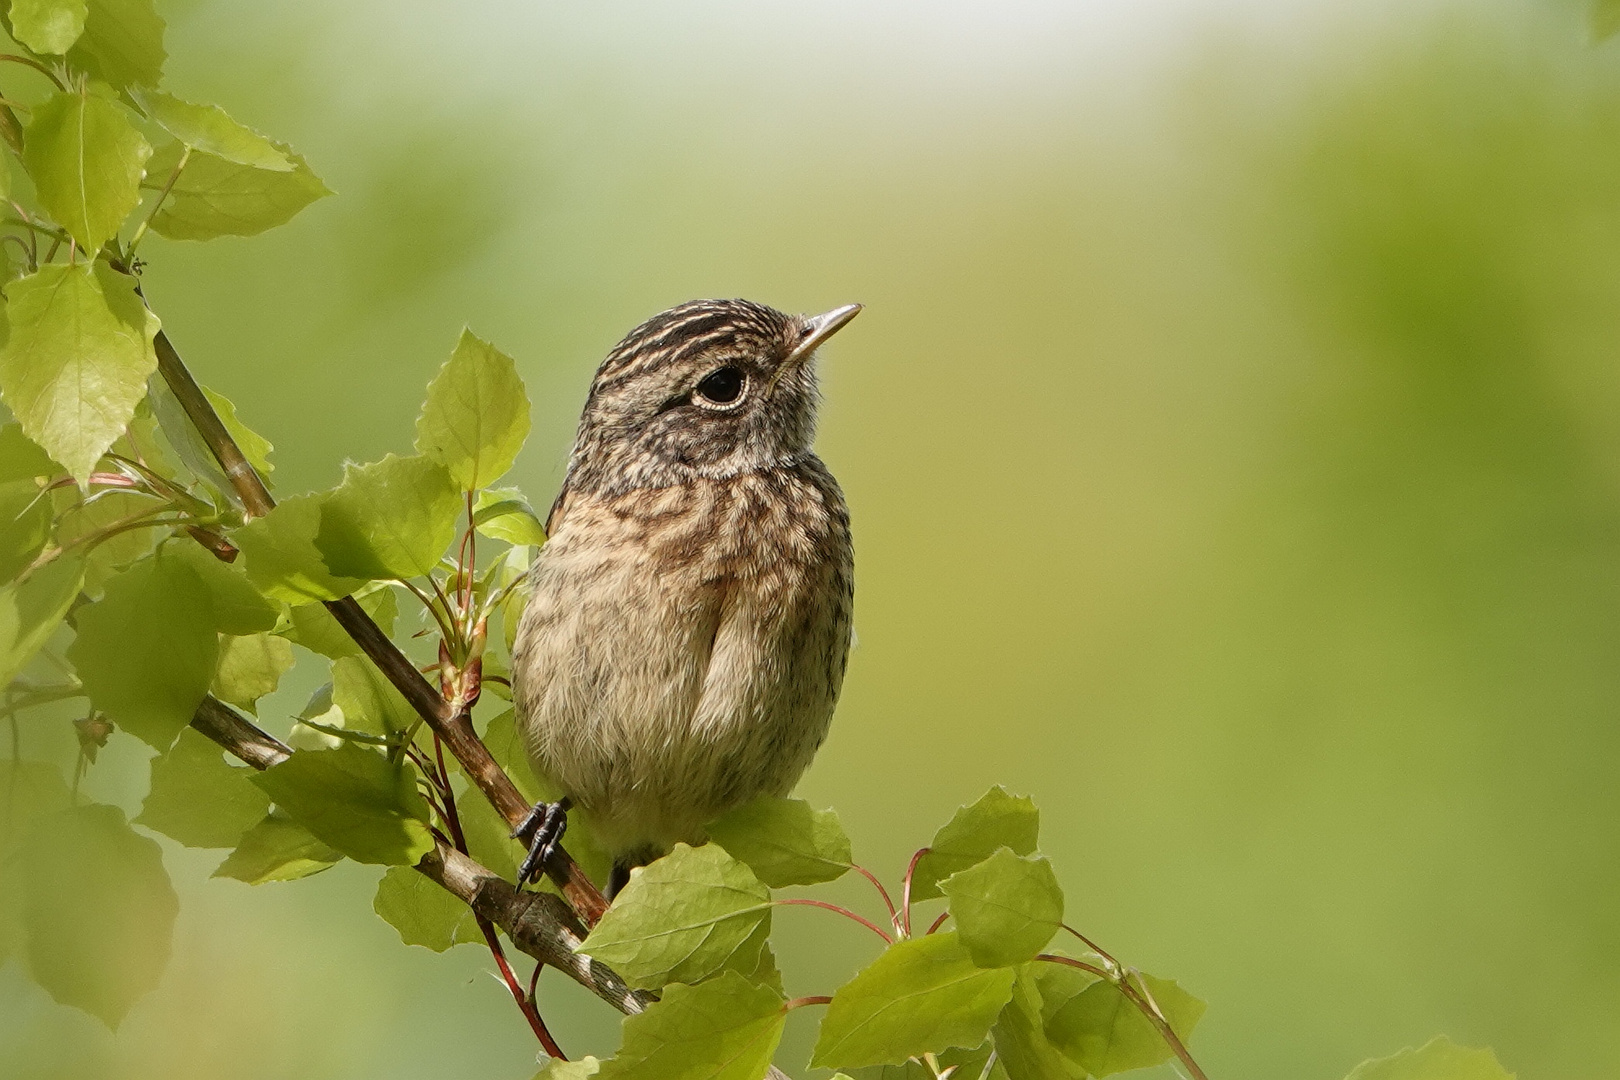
{"points": [[689, 621]]}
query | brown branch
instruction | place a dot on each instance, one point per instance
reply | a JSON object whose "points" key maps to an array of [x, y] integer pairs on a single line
{"points": [[450, 721], [539, 924]]}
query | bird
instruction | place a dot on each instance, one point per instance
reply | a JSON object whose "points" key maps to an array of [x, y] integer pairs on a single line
{"points": [[689, 617]]}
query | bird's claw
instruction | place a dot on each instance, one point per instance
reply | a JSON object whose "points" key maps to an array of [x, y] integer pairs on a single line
{"points": [[543, 830]]}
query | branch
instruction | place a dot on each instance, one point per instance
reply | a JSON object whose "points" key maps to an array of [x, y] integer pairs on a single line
{"points": [[451, 722], [539, 924]]}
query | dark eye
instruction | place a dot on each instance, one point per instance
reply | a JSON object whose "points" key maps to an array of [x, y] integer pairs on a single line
{"points": [[721, 387]]}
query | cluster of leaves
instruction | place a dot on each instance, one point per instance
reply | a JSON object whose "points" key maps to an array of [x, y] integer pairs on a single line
{"points": [[135, 583]]}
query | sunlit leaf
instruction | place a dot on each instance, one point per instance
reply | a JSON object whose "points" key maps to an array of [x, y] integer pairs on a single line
{"points": [[75, 361], [31, 611], [315, 629], [997, 820], [969, 1065], [279, 554], [503, 514], [251, 667], [1104, 1032], [582, 1069], [255, 447], [25, 526], [368, 700], [86, 160], [98, 910], [1438, 1059], [198, 799], [785, 842], [691, 914], [393, 518], [146, 651], [723, 1029], [215, 197], [355, 800], [277, 849], [47, 26], [238, 607], [921, 995], [210, 128], [122, 43], [1021, 1043], [476, 415], [1005, 908], [423, 912]]}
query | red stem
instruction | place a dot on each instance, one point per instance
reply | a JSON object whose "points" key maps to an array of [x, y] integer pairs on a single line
{"points": [[1144, 1004], [939, 922], [872, 926], [888, 902], [905, 891], [801, 1002]]}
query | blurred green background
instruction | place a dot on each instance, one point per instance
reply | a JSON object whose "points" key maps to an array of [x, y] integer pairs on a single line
{"points": [[1232, 436]]}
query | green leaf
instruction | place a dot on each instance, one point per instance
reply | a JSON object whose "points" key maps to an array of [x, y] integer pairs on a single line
{"points": [[583, 1069], [86, 160], [921, 995], [112, 553], [357, 801], [1605, 19], [146, 651], [1006, 908], [1103, 1032], [75, 360], [29, 790], [98, 910], [489, 837], [31, 611], [251, 667], [210, 128], [25, 526], [724, 1029], [122, 43], [393, 518], [423, 913], [21, 458], [47, 26], [476, 415], [277, 849], [315, 629], [238, 607], [255, 447], [969, 1065], [691, 914], [215, 197], [279, 554], [504, 743], [503, 514], [1021, 1043], [995, 821], [1439, 1059], [785, 842], [199, 800], [368, 700]]}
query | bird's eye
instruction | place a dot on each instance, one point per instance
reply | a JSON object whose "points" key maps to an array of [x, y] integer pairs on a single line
{"points": [[721, 387]]}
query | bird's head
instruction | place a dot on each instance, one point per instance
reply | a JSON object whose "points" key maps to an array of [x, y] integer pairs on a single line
{"points": [[711, 388]]}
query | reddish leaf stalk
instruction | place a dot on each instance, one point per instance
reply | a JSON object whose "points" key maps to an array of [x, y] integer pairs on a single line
{"points": [[1143, 1000], [803, 902]]}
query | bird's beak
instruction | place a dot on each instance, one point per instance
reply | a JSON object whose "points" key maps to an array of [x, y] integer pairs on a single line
{"points": [[819, 328]]}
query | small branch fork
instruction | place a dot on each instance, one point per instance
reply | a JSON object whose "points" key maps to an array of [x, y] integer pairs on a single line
{"points": [[448, 719], [538, 924]]}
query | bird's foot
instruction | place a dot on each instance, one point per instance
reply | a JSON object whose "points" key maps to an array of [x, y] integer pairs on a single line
{"points": [[542, 830]]}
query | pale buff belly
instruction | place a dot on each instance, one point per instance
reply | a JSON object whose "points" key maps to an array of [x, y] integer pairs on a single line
{"points": [[660, 697]]}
